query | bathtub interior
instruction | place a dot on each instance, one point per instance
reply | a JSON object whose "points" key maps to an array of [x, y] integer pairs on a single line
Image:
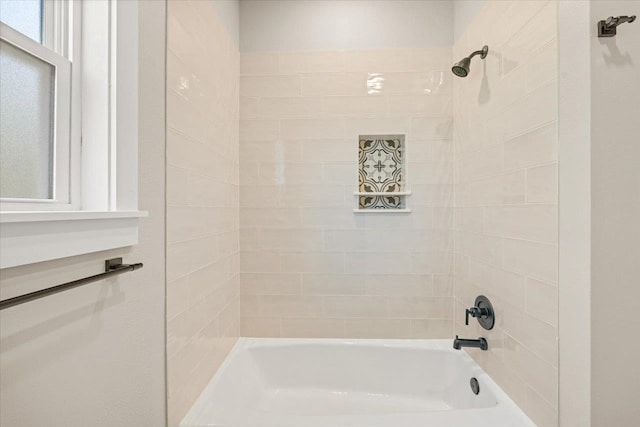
{"points": [[276, 382], [380, 378]]}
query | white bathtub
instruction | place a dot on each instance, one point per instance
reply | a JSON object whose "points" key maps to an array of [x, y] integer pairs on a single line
{"points": [[355, 383]]}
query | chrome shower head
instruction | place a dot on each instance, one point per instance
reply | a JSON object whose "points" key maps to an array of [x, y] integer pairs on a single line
{"points": [[461, 69]]}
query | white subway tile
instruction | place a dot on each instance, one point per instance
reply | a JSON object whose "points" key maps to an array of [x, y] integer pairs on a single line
{"points": [[377, 328], [355, 106], [542, 184], [271, 86], [427, 104], [248, 107], [509, 286], [176, 186], [369, 240], [279, 108], [538, 336], [331, 217], [431, 328], [250, 239], [428, 59], [312, 195], [291, 173], [329, 150], [334, 84], [259, 326], [469, 219], [340, 173], [270, 283], [187, 256], [535, 259], [258, 64], [408, 83], [256, 196], [177, 297], [543, 67], [543, 413], [538, 108], [533, 148], [534, 222], [540, 375], [259, 130], [312, 328], [312, 128], [542, 301], [356, 306], [534, 34], [291, 305], [333, 284], [311, 62], [378, 60], [420, 307], [203, 281], [302, 240], [399, 284], [269, 151], [377, 263], [270, 217], [259, 262], [479, 247], [312, 262]]}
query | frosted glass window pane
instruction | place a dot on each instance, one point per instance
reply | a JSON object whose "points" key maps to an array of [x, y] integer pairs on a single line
{"points": [[26, 125], [24, 16]]}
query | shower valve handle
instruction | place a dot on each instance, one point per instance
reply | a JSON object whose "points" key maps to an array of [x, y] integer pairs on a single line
{"points": [[474, 312], [482, 311]]}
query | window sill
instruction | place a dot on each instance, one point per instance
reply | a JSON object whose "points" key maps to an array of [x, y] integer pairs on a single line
{"points": [[31, 216], [30, 237]]}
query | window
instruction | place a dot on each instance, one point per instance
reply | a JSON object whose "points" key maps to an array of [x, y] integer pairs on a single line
{"points": [[68, 128], [24, 16], [36, 86]]}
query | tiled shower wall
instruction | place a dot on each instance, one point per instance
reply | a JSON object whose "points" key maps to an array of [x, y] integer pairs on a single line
{"points": [[310, 266], [202, 200], [507, 198]]}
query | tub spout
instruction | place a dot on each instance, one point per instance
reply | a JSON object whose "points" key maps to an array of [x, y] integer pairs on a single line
{"points": [[480, 343]]}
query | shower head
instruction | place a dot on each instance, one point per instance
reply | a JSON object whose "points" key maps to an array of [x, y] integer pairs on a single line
{"points": [[461, 69]]}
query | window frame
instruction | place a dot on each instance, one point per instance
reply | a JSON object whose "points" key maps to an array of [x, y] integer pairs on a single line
{"points": [[105, 164]]}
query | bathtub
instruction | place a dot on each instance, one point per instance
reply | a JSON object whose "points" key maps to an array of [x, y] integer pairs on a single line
{"points": [[356, 383]]}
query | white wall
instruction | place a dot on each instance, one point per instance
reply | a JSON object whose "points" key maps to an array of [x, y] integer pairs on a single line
{"points": [[283, 25], [574, 217], [228, 12], [615, 201], [94, 356]]}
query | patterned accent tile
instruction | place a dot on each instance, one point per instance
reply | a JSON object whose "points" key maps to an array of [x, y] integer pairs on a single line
{"points": [[381, 170]]}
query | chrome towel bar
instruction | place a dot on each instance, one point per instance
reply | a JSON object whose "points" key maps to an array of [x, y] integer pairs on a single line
{"points": [[112, 267]]}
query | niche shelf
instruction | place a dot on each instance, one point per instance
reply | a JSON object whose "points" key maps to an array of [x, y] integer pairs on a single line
{"points": [[382, 184]]}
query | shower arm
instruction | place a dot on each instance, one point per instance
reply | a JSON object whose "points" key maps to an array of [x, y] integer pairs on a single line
{"points": [[477, 52], [482, 52]]}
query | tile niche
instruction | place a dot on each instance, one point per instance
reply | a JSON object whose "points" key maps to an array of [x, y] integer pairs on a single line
{"points": [[382, 185]]}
